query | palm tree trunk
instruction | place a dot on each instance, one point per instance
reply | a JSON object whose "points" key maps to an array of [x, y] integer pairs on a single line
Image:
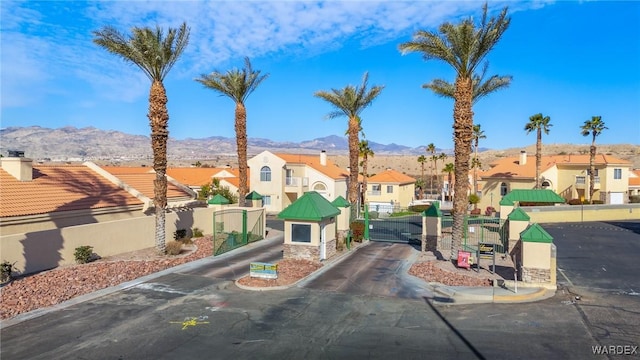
{"points": [[241, 144], [354, 128], [475, 170], [158, 121], [538, 156], [592, 169], [462, 136]]}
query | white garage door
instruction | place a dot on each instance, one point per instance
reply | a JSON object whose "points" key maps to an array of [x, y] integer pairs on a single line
{"points": [[617, 198]]}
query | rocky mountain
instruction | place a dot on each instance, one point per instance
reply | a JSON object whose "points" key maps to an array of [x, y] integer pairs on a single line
{"points": [[77, 144]]}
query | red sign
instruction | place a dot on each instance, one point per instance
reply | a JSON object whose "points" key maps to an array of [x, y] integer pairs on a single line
{"points": [[463, 259]]}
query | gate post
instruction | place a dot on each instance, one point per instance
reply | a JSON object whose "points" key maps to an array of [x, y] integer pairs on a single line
{"points": [[366, 222], [244, 226], [432, 227]]}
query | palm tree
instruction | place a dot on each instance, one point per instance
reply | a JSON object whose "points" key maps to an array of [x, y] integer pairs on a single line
{"points": [[478, 134], [237, 84], [422, 159], [538, 123], [463, 46], [442, 157], [155, 54], [350, 102], [593, 127], [449, 169], [364, 151], [431, 149]]}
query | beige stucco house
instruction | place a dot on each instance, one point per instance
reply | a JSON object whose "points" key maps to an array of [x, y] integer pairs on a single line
{"points": [[282, 178], [567, 175], [390, 189]]}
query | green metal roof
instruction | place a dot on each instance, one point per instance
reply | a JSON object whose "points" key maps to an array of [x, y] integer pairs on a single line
{"points": [[534, 196], [433, 210], [340, 202], [506, 202], [309, 207], [253, 196], [218, 200], [518, 215], [535, 233]]}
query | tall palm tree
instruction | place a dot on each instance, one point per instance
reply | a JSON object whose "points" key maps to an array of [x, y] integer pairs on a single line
{"points": [[155, 54], [538, 123], [478, 134], [593, 127], [442, 157], [449, 169], [237, 84], [431, 149], [422, 159], [350, 102], [463, 46], [364, 151]]}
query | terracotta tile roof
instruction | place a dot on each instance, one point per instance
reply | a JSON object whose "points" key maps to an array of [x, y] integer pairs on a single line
{"points": [[144, 184], [117, 170], [313, 161], [193, 176], [59, 188], [634, 178], [510, 167], [392, 176]]}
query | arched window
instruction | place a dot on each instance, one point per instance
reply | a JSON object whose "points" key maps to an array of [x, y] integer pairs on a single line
{"points": [[265, 173], [545, 184], [319, 187], [504, 189]]}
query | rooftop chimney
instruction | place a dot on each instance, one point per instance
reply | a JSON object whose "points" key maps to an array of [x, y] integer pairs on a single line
{"points": [[323, 158], [18, 166], [523, 157]]}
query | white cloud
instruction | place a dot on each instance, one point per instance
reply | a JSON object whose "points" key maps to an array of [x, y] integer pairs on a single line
{"points": [[46, 43]]}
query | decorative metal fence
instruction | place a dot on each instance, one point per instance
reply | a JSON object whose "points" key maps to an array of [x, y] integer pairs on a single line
{"points": [[233, 228], [476, 230]]}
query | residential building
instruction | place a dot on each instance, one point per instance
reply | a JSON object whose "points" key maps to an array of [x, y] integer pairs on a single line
{"points": [[634, 182], [567, 175], [390, 189], [282, 178], [195, 178]]}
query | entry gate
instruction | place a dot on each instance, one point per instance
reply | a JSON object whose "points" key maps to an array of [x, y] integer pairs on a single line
{"points": [[477, 230], [401, 226]]}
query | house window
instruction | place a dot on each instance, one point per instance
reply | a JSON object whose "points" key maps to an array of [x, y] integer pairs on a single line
{"points": [[617, 174], [376, 189], [301, 233], [504, 189], [265, 173], [320, 187], [266, 200], [389, 189], [545, 184], [595, 172]]}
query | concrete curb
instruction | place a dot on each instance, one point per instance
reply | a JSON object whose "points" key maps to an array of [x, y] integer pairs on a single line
{"points": [[540, 294], [310, 277]]}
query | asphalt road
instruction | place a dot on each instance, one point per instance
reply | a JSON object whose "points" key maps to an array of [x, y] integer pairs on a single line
{"points": [[350, 311]]}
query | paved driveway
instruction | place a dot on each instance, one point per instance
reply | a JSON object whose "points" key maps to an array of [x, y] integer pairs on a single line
{"points": [[598, 255]]}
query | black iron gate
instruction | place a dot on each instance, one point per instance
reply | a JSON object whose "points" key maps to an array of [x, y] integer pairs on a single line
{"points": [[399, 226]]}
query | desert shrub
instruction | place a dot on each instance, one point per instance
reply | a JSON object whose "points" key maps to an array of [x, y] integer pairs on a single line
{"points": [[179, 234], [634, 199], [474, 199], [597, 202], [84, 254], [173, 247], [574, 202], [6, 271], [197, 232], [357, 231]]}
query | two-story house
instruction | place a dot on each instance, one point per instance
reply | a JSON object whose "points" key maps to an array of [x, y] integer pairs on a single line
{"points": [[567, 175], [390, 189], [282, 178]]}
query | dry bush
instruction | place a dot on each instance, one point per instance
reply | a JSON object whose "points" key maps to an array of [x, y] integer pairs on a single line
{"points": [[173, 247]]}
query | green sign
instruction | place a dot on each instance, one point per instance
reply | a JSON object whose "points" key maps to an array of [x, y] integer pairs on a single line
{"points": [[263, 270]]}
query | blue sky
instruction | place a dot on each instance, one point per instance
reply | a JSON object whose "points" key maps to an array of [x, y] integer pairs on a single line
{"points": [[569, 60]]}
